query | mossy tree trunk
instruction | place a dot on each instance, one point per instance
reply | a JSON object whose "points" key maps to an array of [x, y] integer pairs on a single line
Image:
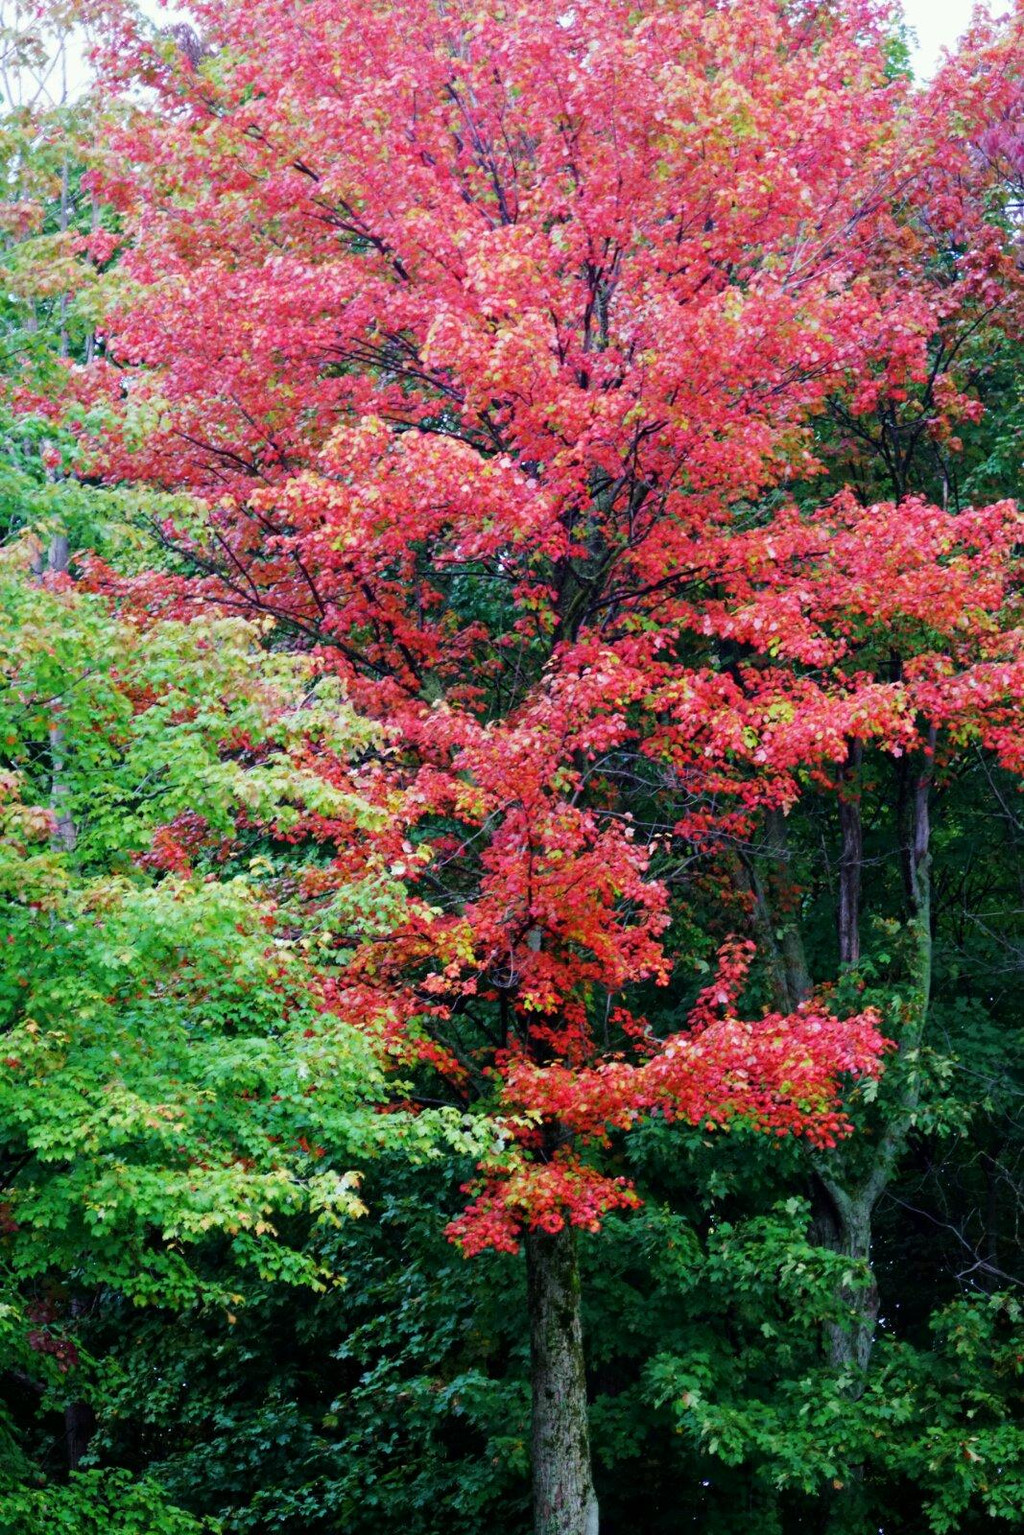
{"points": [[564, 1502]]}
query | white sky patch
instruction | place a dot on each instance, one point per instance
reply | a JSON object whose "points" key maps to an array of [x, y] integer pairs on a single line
{"points": [[939, 24]]}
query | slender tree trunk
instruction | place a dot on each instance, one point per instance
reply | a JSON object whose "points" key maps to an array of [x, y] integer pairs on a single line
{"points": [[79, 1418], [783, 898], [90, 340], [564, 1502], [851, 857], [850, 1344], [64, 201], [747, 880], [766, 880], [79, 1422], [65, 834], [853, 1204]]}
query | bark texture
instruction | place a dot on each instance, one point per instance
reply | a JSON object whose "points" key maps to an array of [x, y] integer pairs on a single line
{"points": [[784, 900], [842, 1223], [845, 1221], [564, 1502], [79, 1423], [763, 876], [851, 858]]}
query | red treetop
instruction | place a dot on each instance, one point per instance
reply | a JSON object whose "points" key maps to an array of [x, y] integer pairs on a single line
{"points": [[490, 337]]}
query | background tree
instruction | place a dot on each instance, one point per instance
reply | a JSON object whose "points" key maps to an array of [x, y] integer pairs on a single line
{"points": [[177, 1073]]}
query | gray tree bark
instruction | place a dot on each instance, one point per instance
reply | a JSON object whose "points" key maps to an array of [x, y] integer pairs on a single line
{"points": [[764, 875], [781, 885], [65, 834], [564, 1502], [851, 857], [853, 1203]]}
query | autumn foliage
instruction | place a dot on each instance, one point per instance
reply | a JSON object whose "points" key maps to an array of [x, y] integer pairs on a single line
{"points": [[490, 341]]}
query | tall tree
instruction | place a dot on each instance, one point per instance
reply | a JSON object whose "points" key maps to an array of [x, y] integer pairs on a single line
{"points": [[490, 340]]}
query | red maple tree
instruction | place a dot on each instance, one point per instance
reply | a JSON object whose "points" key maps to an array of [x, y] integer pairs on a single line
{"points": [[491, 339]]}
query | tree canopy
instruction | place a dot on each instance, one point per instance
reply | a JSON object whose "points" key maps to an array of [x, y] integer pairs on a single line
{"points": [[511, 690]]}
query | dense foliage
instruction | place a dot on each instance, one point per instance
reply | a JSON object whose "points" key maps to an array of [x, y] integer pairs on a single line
{"points": [[511, 742]]}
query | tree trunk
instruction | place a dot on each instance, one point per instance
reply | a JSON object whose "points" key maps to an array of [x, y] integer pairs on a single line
{"points": [[784, 904], [65, 835], [564, 1502], [843, 1224], [851, 857], [79, 1423], [765, 879]]}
